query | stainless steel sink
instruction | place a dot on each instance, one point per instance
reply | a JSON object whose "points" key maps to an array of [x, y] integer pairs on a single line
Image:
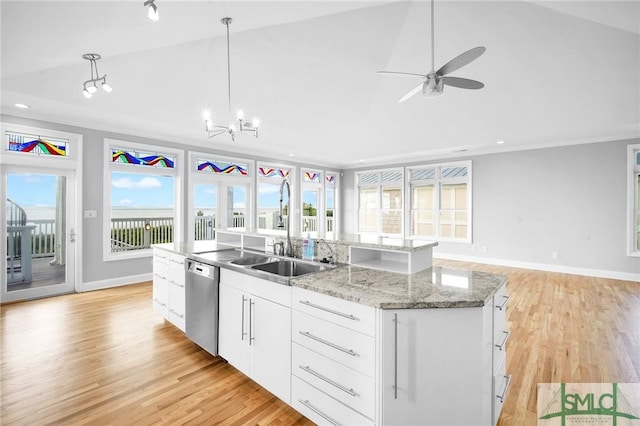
{"points": [[290, 268], [252, 260]]}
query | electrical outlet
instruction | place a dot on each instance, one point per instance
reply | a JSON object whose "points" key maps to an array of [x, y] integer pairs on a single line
{"points": [[90, 214], [554, 255]]}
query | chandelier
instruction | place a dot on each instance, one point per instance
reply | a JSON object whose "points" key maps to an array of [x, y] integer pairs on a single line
{"points": [[91, 86], [213, 129]]}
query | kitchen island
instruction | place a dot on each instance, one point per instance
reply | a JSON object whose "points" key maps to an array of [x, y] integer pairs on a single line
{"points": [[369, 346]]}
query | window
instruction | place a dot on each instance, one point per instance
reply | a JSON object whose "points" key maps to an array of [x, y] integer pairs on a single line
{"points": [[440, 201], [270, 177], [380, 202], [633, 185], [141, 198], [330, 205], [219, 194]]}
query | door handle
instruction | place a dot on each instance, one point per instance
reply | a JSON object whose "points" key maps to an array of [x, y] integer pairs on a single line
{"points": [[72, 235]]}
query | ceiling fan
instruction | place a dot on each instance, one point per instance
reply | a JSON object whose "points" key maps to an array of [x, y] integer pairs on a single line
{"points": [[433, 82]]}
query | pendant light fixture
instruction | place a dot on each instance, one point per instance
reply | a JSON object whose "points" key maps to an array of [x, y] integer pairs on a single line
{"points": [[153, 10], [243, 126], [91, 86]]}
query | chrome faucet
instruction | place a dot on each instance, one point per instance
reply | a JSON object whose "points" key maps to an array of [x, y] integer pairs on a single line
{"points": [[332, 257], [288, 251]]}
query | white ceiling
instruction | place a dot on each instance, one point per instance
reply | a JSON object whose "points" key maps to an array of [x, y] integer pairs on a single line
{"points": [[555, 73]]}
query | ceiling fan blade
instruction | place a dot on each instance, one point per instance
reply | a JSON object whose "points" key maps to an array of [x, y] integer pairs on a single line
{"points": [[401, 74], [411, 92], [463, 83], [461, 60]]}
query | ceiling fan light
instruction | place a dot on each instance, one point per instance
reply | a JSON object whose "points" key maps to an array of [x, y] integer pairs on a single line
{"points": [[86, 93], [106, 87], [92, 89], [153, 11]]}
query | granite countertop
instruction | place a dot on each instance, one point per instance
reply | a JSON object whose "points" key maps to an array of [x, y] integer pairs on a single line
{"points": [[435, 287]]}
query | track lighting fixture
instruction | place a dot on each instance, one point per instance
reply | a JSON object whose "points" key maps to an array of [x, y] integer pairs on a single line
{"points": [[91, 86], [243, 126], [153, 10]]}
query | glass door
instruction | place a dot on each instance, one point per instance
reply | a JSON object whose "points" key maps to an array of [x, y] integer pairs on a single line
{"points": [[39, 233]]}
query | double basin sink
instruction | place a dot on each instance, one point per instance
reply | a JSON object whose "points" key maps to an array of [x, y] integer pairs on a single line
{"points": [[279, 266]]}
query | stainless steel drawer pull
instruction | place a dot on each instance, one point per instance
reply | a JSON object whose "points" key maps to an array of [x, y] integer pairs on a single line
{"points": [[506, 386], [395, 356], [504, 341], [243, 333], [178, 314], [333, 345], [506, 299], [178, 284], [309, 370], [313, 305], [318, 412]]}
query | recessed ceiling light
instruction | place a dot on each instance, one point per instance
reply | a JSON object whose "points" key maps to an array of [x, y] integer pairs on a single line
{"points": [[23, 106], [290, 155], [500, 142]]}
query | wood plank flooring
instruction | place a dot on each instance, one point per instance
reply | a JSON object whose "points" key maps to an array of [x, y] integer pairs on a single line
{"points": [[105, 358]]}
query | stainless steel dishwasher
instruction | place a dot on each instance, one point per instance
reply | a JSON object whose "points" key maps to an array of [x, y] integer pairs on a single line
{"points": [[202, 301]]}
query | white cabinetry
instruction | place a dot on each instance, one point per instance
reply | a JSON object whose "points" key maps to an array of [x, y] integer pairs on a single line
{"points": [[333, 359], [169, 286], [255, 330], [443, 366]]}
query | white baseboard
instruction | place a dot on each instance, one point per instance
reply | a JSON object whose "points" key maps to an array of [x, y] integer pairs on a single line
{"points": [[114, 282], [600, 273]]}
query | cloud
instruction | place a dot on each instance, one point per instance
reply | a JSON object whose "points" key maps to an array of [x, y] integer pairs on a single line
{"points": [[144, 183], [126, 202], [239, 205]]}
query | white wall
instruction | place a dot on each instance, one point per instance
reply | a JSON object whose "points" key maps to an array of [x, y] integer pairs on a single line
{"points": [[529, 204]]}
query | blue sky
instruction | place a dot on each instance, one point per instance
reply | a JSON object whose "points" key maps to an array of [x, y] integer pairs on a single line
{"points": [[136, 190], [28, 189]]}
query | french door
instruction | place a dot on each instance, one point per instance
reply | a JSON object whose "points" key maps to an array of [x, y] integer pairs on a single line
{"points": [[39, 237]]}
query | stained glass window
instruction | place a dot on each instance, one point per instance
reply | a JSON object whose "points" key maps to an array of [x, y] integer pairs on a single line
{"points": [[272, 172], [330, 179], [139, 158], [311, 176], [36, 144], [221, 167]]}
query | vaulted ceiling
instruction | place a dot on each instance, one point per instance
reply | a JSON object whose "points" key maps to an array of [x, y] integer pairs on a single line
{"points": [[554, 73]]}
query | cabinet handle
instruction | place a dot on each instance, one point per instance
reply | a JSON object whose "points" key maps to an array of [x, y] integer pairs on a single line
{"points": [[333, 345], [313, 305], [318, 412], [178, 284], [251, 337], [242, 326], [159, 302], [309, 370], [504, 341], [506, 386], [506, 299], [174, 312], [395, 356]]}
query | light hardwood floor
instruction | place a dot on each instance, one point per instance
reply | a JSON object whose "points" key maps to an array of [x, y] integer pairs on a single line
{"points": [[105, 357]]}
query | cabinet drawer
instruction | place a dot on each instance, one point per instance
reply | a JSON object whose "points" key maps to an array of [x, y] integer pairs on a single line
{"points": [[338, 311], [501, 382], [321, 408], [268, 290], [161, 268], [352, 388], [348, 347], [176, 269]]}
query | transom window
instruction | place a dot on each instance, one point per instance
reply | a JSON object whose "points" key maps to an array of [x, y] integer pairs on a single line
{"points": [[32, 144]]}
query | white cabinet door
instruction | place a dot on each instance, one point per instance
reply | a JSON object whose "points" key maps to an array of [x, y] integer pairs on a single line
{"points": [[270, 334], [436, 366], [233, 334]]}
